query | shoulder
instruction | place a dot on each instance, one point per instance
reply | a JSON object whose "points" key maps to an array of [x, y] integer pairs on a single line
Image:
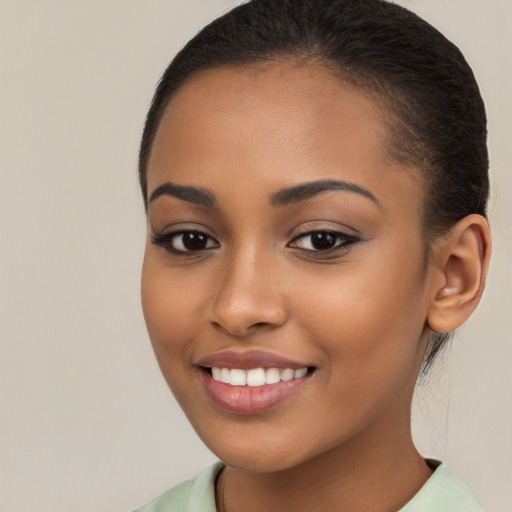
{"points": [[195, 494], [444, 492]]}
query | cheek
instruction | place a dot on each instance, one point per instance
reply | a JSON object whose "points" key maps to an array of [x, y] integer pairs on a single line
{"points": [[368, 319], [170, 308], [170, 311]]}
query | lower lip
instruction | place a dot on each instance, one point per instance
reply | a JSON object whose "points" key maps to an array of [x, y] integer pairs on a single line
{"points": [[248, 399]]}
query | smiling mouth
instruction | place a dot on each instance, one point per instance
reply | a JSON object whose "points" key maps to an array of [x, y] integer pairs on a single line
{"points": [[253, 381], [256, 376], [255, 390]]}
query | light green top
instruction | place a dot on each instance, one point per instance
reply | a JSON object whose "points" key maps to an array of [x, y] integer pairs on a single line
{"points": [[443, 492]]}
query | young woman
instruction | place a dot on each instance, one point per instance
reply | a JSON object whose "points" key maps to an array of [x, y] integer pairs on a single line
{"points": [[315, 177]]}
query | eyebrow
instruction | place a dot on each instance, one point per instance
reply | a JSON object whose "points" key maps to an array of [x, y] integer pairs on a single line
{"points": [[195, 195], [307, 190], [297, 193]]}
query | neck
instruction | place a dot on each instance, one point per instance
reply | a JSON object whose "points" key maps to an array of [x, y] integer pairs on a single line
{"points": [[379, 471]]}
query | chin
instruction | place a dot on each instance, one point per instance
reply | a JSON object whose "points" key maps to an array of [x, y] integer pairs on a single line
{"points": [[259, 461], [256, 453]]}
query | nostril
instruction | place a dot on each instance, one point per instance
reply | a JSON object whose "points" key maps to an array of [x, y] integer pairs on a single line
{"points": [[243, 317], [243, 329], [260, 324]]}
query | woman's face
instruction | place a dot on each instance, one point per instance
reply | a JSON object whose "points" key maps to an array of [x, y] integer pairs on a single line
{"points": [[282, 237]]}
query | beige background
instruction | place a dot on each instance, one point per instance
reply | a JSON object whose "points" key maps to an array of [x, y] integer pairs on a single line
{"points": [[86, 421]]}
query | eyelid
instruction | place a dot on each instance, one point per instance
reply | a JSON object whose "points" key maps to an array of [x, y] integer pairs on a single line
{"points": [[347, 241], [165, 239], [175, 228]]}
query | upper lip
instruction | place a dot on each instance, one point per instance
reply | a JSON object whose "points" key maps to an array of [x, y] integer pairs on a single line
{"points": [[248, 360]]}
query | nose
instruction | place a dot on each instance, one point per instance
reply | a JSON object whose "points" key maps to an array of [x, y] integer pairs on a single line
{"points": [[249, 297]]}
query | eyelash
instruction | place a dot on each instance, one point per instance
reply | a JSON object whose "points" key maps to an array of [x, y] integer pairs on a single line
{"points": [[343, 241], [166, 240]]}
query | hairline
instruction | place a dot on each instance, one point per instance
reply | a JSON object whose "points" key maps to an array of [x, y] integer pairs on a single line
{"points": [[378, 92]]}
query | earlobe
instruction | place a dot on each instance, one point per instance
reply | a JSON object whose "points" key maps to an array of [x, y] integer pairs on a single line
{"points": [[461, 263]]}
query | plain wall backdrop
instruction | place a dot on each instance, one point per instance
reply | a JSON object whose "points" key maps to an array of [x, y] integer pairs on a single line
{"points": [[86, 420]]}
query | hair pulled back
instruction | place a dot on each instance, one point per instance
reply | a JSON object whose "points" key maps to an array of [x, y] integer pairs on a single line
{"points": [[437, 117]]}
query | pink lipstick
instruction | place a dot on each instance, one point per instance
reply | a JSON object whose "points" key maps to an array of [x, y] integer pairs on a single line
{"points": [[252, 382]]}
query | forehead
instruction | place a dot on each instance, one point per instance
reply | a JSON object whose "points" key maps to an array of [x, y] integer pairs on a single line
{"points": [[286, 122], [281, 88], [296, 99]]}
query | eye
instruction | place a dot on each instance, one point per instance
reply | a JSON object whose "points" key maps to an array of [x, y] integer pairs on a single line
{"points": [[180, 242], [322, 240]]}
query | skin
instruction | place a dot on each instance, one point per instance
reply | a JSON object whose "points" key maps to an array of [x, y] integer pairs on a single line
{"points": [[359, 315]]}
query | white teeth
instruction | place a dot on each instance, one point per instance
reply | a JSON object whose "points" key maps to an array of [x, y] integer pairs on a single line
{"points": [[272, 376], [225, 375], [238, 377], [256, 376], [300, 373], [216, 373], [287, 374]]}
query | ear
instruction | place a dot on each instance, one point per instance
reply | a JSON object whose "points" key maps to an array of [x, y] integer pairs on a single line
{"points": [[460, 260]]}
